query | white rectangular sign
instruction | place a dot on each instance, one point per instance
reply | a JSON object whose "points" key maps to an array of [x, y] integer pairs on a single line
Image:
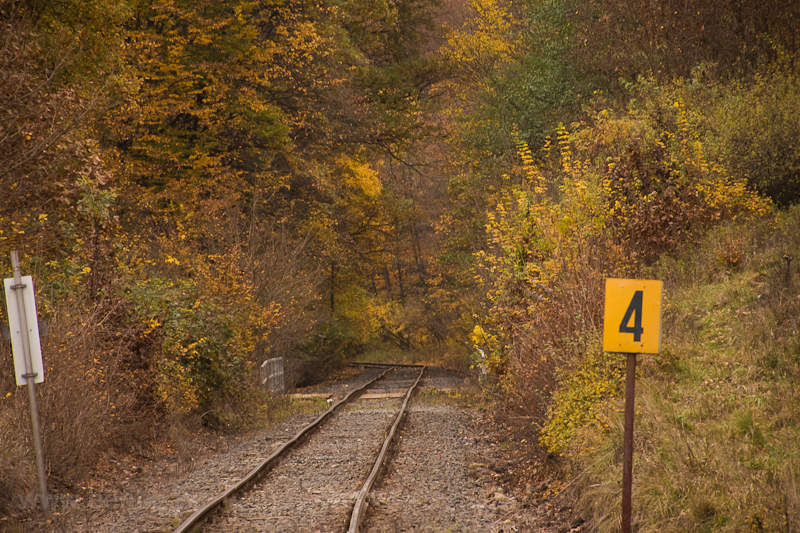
{"points": [[16, 331]]}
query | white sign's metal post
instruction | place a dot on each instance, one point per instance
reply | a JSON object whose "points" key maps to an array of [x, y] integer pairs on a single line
{"points": [[29, 376]]}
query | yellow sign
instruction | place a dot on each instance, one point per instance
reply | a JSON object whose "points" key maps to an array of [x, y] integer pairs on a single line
{"points": [[632, 320]]}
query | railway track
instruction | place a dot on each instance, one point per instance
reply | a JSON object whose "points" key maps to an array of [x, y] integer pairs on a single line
{"points": [[319, 480]]}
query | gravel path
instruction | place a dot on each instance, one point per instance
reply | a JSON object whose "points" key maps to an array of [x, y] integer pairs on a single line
{"points": [[445, 476]]}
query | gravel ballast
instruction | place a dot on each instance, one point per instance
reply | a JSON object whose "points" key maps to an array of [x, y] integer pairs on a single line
{"points": [[442, 476]]}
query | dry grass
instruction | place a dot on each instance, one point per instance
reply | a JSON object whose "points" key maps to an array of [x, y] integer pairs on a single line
{"points": [[94, 398], [718, 412]]}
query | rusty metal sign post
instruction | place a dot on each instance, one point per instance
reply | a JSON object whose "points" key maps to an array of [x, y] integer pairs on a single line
{"points": [[25, 342], [632, 325], [627, 456]]}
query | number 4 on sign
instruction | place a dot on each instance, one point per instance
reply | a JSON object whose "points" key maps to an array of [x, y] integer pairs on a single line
{"points": [[632, 320], [634, 311]]}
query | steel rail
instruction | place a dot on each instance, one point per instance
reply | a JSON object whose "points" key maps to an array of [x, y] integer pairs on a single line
{"points": [[256, 472], [400, 365], [360, 507]]}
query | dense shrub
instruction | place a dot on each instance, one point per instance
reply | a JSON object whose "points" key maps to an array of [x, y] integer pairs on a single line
{"points": [[209, 325], [661, 189], [623, 188], [758, 121], [550, 248]]}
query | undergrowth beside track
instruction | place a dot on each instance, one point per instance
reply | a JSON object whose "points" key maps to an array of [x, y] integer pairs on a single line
{"points": [[717, 412]]}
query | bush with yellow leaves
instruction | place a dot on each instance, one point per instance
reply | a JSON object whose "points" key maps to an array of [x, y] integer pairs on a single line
{"points": [[623, 188]]}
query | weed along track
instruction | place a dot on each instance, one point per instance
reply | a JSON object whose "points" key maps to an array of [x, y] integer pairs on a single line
{"points": [[319, 480]]}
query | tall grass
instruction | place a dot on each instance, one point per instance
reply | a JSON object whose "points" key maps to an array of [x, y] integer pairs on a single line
{"points": [[88, 402], [717, 412]]}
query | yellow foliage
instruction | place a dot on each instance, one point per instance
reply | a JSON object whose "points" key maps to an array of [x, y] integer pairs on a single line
{"points": [[360, 176], [582, 394], [625, 188], [485, 41]]}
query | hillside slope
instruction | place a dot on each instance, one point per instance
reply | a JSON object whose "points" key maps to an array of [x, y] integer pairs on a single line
{"points": [[717, 412]]}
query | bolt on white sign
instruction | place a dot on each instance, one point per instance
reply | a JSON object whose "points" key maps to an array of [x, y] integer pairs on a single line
{"points": [[15, 327]]}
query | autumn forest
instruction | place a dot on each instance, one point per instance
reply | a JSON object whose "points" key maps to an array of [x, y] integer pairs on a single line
{"points": [[197, 186]]}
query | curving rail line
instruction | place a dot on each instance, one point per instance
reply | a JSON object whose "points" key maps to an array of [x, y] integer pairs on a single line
{"points": [[260, 470]]}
